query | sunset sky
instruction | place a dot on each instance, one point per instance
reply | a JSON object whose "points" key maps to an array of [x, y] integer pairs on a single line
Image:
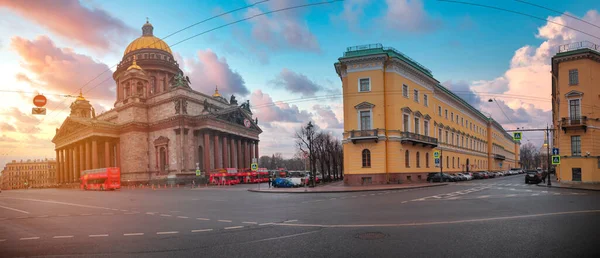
{"points": [[57, 47]]}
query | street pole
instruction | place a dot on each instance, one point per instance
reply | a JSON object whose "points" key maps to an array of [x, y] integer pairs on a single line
{"points": [[441, 165], [548, 152]]}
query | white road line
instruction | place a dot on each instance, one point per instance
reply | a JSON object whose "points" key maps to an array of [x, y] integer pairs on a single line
{"points": [[223, 220], [150, 213], [85, 214], [483, 196], [535, 194], [128, 213], [2, 240], [293, 220], [556, 193], [512, 189], [42, 216], [202, 219], [453, 198], [124, 210], [62, 215], [201, 230], [167, 232], [13, 209], [133, 234], [404, 201], [62, 237], [265, 224], [101, 235], [29, 238], [234, 227], [511, 195], [183, 217], [249, 222], [107, 213], [165, 215]]}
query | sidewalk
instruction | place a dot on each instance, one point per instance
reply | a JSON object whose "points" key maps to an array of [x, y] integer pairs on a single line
{"points": [[338, 187], [577, 186]]}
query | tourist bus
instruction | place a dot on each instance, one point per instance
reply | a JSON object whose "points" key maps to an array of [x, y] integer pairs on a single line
{"points": [[101, 179]]}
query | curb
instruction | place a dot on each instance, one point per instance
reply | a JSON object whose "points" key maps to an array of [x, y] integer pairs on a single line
{"points": [[565, 187], [347, 191]]}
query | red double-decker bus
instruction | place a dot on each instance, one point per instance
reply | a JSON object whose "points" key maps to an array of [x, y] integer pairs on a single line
{"points": [[101, 179]]}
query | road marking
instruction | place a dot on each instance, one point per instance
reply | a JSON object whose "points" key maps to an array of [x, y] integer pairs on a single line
{"points": [[62, 237], [512, 189], [511, 195], [165, 215], [535, 194], [129, 213], [133, 234], [453, 198], [404, 201], [223, 220], [282, 237], [528, 190], [265, 224], [249, 222], [107, 213], [167, 232], [101, 235], [85, 214], [556, 193], [42, 216], [183, 217], [483, 196], [202, 219], [150, 213], [234, 227], [2, 240], [201, 230], [287, 221], [13, 209], [124, 210], [63, 203], [29, 238]]}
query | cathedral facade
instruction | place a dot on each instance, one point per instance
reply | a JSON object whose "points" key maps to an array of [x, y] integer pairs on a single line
{"points": [[159, 127]]}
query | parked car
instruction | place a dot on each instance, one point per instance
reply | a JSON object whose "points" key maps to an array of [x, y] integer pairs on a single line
{"points": [[491, 174], [486, 175], [444, 178], [430, 175], [477, 175], [533, 176], [459, 177], [467, 176]]}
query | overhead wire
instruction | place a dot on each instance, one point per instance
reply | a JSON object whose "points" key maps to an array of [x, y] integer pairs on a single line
{"points": [[559, 12]]}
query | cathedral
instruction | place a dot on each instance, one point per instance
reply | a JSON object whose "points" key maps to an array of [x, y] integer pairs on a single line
{"points": [[159, 127]]}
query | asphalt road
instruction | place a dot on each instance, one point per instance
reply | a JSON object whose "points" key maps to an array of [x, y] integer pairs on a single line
{"points": [[499, 217]]}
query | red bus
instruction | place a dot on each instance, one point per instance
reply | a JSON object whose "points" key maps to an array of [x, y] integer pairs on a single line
{"points": [[101, 179]]}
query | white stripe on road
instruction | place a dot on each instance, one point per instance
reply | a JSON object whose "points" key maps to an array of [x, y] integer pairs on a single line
{"points": [[42, 216], [107, 213], [2, 240], [404, 201], [264, 224], [511, 195], [85, 214], [133, 234], [249, 222], [202, 219], [101, 235], [234, 227], [167, 232], [29, 238], [13, 209], [201, 230], [535, 194], [165, 215], [287, 221], [183, 217], [223, 220], [62, 237], [133, 212], [64, 203], [483, 196]]}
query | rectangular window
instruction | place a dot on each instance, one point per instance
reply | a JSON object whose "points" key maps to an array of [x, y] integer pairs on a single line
{"points": [[446, 113], [452, 116], [416, 95], [576, 145], [365, 120], [457, 119], [457, 138], [573, 77], [439, 110], [417, 126], [426, 128], [364, 84], [440, 135], [446, 136], [452, 138], [405, 90], [462, 121], [574, 109], [425, 100], [405, 121]]}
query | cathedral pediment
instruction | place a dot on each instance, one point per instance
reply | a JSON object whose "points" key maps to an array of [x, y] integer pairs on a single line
{"points": [[239, 117], [69, 127]]}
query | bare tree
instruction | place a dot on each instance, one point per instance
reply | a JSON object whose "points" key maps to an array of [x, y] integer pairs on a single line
{"points": [[529, 156], [304, 143]]}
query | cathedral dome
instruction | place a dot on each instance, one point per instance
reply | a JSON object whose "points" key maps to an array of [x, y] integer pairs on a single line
{"points": [[147, 41]]}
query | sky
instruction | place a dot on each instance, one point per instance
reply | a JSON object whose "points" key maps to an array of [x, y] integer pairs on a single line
{"points": [[286, 57]]}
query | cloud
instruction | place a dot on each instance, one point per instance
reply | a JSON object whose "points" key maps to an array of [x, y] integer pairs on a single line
{"points": [[210, 71], [6, 127], [92, 26], [409, 16], [5, 138], [62, 70], [352, 12], [296, 83], [268, 112], [327, 116], [24, 123], [463, 90]]}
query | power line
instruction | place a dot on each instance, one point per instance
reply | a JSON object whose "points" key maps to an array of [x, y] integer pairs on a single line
{"points": [[559, 12], [520, 13]]}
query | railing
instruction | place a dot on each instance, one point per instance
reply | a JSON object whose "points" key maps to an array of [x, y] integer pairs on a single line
{"points": [[363, 133], [574, 121], [419, 137], [578, 45], [380, 46], [498, 156]]}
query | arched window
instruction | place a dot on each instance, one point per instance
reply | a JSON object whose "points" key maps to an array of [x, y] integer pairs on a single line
{"points": [[127, 90], [458, 162], [452, 162], [427, 159], [366, 158], [140, 89], [418, 160], [407, 159], [163, 158], [447, 162]]}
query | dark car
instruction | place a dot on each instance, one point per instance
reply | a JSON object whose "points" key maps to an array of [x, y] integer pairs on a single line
{"points": [[445, 178], [485, 175], [533, 176], [492, 174], [477, 175], [430, 175]]}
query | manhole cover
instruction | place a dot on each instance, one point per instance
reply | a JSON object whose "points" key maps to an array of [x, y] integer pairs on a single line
{"points": [[371, 236]]}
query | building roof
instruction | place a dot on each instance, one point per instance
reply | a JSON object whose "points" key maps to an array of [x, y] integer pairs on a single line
{"points": [[147, 41]]}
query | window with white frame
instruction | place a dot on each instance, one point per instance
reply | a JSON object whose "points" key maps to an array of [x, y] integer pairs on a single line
{"points": [[440, 135], [462, 121], [405, 119], [446, 137], [425, 100], [364, 84], [573, 77], [426, 128], [365, 119], [452, 116], [574, 108], [439, 110], [452, 138], [576, 145], [405, 90], [417, 126], [416, 95], [446, 113]]}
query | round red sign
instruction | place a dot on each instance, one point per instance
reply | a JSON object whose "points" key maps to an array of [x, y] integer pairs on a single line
{"points": [[39, 100]]}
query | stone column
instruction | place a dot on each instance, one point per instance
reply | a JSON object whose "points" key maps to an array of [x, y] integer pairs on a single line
{"points": [[217, 151], [75, 163], [81, 160], [206, 148], [240, 159], [71, 162], [65, 165], [88, 155], [247, 159], [94, 153], [256, 150], [232, 153], [118, 154], [225, 153], [106, 154], [58, 166]]}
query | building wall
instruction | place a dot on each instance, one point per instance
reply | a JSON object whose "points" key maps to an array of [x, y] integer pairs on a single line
{"points": [[36, 173], [134, 156]]}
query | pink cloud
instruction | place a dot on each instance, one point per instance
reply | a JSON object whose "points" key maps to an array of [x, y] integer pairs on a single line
{"points": [[267, 111], [328, 117], [92, 27], [6, 127], [409, 15], [210, 71], [24, 123], [296, 83]]}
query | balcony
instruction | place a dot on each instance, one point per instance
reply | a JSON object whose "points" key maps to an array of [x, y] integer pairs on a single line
{"points": [[574, 123], [364, 135], [426, 141], [500, 157]]}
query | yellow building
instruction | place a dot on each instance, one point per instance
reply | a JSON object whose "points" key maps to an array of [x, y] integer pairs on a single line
{"points": [[575, 92], [29, 174], [396, 114]]}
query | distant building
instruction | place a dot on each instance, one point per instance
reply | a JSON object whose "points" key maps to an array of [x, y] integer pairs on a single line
{"points": [[396, 114], [36, 173], [576, 112]]}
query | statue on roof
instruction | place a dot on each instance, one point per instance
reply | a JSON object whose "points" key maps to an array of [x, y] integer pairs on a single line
{"points": [[232, 100], [205, 106], [246, 106], [180, 81]]}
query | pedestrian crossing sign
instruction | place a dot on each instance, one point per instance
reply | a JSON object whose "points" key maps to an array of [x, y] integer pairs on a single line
{"points": [[436, 154], [517, 136], [198, 172], [254, 167], [555, 160]]}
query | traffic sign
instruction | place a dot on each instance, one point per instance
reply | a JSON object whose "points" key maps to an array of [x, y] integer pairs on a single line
{"points": [[436, 154], [555, 160], [38, 111], [517, 136], [437, 162], [555, 151], [39, 101], [198, 172], [254, 167]]}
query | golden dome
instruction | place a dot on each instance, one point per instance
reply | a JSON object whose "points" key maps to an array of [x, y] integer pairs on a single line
{"points": [[134, 65], [147, 41], [216, 92], [80, 97]]}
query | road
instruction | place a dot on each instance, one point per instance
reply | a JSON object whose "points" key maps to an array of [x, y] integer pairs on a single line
{"points": [[499, 217]]}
